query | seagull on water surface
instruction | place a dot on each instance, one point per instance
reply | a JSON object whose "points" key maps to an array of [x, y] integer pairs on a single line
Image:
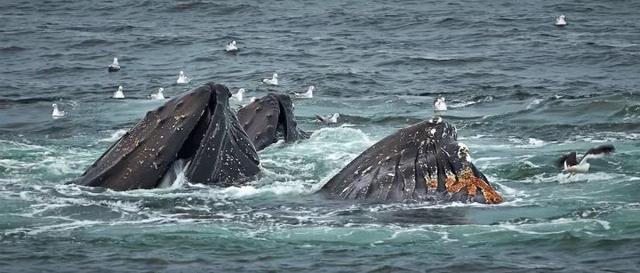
{"points": [[182, 78], [119, 94], [272, 81], [561, 21], [239, 95], [115, 66], [439, 104], [56, 114], [306, 95], [157, 96], [331, 119], [569, 162], [231, 47]]}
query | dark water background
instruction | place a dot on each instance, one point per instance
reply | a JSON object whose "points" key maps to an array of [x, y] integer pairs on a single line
{"points": [[521, 92]]}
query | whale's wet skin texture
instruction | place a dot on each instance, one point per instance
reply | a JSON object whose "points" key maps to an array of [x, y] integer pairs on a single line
{"points": [[270, 118], [422, 162], [520, 91], [198, 127]]}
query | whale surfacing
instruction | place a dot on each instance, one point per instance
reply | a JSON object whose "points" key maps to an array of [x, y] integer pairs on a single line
{"points": [[268, 119], [423, 162], [198, 127]]}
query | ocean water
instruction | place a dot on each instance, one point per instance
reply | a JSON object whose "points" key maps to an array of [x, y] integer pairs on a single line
{"points": [[521, 92]]}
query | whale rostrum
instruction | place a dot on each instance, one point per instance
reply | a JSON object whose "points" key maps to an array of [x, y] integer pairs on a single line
{"points": [[423, 162], [270, 118]]}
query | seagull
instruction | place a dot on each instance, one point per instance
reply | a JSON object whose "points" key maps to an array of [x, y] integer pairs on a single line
{"points": [[114, 67], [157, 96], [439, 104], [560, 21], [252, 99], [272, 81], [332, 119], [182, 78], [463, 151], [238, 96], [118, 94], [56, 114], [231, 47], [306, 95], [569, 162]]}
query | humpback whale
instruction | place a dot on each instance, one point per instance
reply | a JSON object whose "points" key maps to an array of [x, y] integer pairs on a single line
{"points": [[199, 127], [268, 119], [423, 162]]}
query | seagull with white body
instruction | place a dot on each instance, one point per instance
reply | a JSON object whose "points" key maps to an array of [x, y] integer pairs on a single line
{"points": [[56, 114], [439, 105], [231, 47], [306, 95], [561, 21], [119, 94], [272, 81], [239, 95], [332, 119], [463, 151], [157, 96], [569, 162], [182, 78], [115, 66]]}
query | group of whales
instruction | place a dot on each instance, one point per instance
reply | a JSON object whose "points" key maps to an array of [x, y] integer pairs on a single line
{"points": [[219, 146], [215, 145]]}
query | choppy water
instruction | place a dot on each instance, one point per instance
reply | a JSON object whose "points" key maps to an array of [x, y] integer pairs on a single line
{"points": [[521, 93]]}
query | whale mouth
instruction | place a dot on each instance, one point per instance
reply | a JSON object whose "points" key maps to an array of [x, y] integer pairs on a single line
{"points": [[199, 127], [269, 119], [281, 130], [418, 163]]}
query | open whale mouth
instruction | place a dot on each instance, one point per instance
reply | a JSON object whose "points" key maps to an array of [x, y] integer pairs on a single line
{"points": [[198, 127], [283, 119], [269, 119]]}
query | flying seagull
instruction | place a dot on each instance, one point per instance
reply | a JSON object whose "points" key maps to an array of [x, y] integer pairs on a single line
{"points": [[569, 162]]}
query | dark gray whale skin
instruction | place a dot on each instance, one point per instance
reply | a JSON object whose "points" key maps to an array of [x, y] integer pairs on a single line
{"points": [[270, 118], [199, 127], [423, 162]]}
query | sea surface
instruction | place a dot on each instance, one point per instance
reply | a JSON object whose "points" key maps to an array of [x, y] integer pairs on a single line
{"points": [[521, 92]]}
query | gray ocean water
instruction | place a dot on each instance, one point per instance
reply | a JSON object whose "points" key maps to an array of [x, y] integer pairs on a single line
{"points": [[521, 92]]}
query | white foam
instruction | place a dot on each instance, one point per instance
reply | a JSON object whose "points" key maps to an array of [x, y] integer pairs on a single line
{"points": [[565, 178], [277, 188], [533, 103], [339, 134], [174, 178], [115, 135]]}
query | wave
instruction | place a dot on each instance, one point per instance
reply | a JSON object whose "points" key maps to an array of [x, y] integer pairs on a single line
{"points": [[90, 43], [12, 49], [115, 135], [56, 70], [629, 112], [433, 60]]}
